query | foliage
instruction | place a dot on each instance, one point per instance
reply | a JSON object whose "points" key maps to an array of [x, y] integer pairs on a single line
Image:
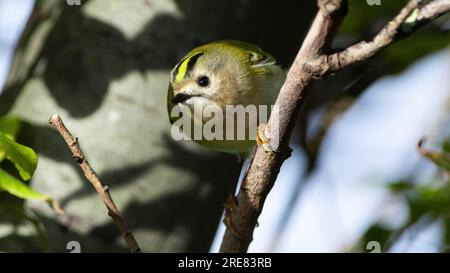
{"points": [[25, 162], [427, 203]]}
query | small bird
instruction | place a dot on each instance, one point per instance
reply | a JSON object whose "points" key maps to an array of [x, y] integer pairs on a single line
{"points": [[225, 73]]}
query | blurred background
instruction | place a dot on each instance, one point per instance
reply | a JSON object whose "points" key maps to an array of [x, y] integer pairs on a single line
{"points": [[355, 182]]}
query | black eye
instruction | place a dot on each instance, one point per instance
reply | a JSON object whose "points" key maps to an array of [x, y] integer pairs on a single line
{"points": [[203, 81]]}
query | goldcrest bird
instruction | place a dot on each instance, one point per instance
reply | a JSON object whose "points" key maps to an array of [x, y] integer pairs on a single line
{"points": [[225, 73]]}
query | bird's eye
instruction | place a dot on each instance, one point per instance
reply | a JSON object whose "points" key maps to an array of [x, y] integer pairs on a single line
{"points": [[203, 81]]}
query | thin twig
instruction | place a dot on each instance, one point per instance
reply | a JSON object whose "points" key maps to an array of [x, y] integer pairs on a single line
{"points": [[309, 65], [395, 30], [90, 175]]}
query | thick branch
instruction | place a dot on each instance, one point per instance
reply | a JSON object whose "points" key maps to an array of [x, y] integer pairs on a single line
{"points": [[264, 166], [406, 22], [90, 175], [310, 64]]}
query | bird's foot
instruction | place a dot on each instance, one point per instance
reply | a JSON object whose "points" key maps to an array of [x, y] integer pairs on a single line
{"points": [[262, 141], [230, 206]]}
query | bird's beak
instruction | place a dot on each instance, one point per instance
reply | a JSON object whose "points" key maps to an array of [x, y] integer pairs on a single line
{"points": [[180, 97]]}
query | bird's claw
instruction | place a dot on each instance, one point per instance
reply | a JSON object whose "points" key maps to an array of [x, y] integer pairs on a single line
{"points": [[231, 202], [262, 141], [229, 205]]}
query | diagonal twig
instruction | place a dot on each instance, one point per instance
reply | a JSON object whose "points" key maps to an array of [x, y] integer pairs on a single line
{"points": [[90, 175], [411, 17]]}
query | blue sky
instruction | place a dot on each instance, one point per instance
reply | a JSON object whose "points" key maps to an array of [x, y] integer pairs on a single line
{"points": [[13, 16]]}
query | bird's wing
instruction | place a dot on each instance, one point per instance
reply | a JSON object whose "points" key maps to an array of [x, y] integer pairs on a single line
{"points": [[257, 57]]}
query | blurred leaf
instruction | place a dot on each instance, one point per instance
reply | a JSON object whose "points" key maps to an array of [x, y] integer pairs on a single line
{"points": [[428, 201], [441, 159], [14, 214], [400, 186], [434, 199], [401, 54], [11, 208], [376, 233], [17, 188], [446, 146], [24, 158]]}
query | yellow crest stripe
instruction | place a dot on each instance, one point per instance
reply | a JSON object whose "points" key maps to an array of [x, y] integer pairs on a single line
{"points": [[182, 70], [186, 66]]}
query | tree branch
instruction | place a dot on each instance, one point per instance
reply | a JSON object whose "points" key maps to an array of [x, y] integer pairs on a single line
{"points": [[309, 65], [264, 166], [399, 28], [90, 175]]}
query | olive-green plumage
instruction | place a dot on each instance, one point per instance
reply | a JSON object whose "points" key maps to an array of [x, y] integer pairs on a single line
{"points": [[225, 73]]}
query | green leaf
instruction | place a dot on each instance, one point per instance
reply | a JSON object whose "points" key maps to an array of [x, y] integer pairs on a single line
{"points": [[17, 188], [411, 21], [436, 199], [446, 146], [400, 186], [441, 159], [378, 234], [24, 158], [10, 126]]}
